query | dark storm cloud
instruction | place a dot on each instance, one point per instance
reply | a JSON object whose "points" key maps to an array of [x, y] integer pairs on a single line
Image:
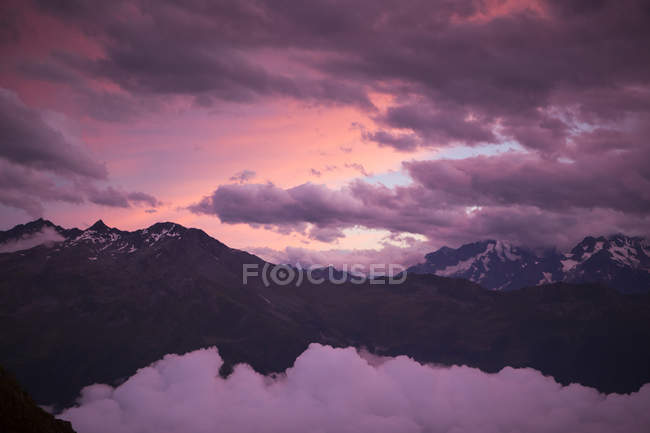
{"points": [[61, 68], [28, 140], [25, 188], [520, 56], [39, 164], [620, 182], [516, 196], [269, 204], [471, 68], [206, 50], [360, 204], [437, 126], [116, 198], [48, 70], [220, 73], [28, 189], [142, 198], [9, 29], [325, 234], [548, 79]]}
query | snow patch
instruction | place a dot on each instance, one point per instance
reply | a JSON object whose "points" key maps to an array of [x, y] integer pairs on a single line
{"points": [[458, 268], [625, 255], [569, 264], [466, 265], [505, 251], [547, 278], [166, 232]]}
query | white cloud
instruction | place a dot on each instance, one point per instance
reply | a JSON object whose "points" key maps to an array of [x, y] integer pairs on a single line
{"points": [[340, 390], [46, 235], [343, 259]]}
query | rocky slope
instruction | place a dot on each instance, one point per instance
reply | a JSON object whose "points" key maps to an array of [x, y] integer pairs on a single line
{"points": [[20, 414]]}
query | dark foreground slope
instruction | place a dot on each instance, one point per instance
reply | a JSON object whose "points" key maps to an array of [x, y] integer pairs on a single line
{"points": [[100, 305], [19, 413]]}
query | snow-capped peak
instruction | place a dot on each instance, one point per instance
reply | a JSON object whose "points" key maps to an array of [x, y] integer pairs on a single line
{"points": [[622, 250], [491, 262], [98, 233], [500, 265], [106, 240], [161, 230]]}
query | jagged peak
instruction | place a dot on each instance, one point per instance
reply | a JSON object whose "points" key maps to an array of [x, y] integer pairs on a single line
{"points": [[40, 222], [98, 226]]}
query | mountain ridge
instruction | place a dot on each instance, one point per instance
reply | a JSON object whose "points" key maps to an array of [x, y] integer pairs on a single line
{"points": [[619, 261], [622, 262], [20, 414], [101, 304]]}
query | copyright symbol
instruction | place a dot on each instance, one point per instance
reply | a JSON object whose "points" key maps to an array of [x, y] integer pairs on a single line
{"points": [[282, 275]]}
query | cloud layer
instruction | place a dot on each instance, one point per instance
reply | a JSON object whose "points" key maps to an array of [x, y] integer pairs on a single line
{"points": [[452, 67], [340, 390], [45, 236], [341, 259], [39, 164], [456, 201]]}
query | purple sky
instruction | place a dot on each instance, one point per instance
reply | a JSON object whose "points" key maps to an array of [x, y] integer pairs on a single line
{"points": [[302, 128]]}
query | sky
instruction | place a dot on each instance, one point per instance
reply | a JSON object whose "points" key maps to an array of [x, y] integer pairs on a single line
{"points": [[325, 129]]}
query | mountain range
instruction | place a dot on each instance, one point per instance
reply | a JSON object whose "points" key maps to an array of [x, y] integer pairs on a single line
{"points": [[618, 261], [93, 306]]}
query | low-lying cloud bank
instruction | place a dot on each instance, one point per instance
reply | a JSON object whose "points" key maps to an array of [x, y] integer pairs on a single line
{"points": [[342, 259], [340, 390], [45, 236]]}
